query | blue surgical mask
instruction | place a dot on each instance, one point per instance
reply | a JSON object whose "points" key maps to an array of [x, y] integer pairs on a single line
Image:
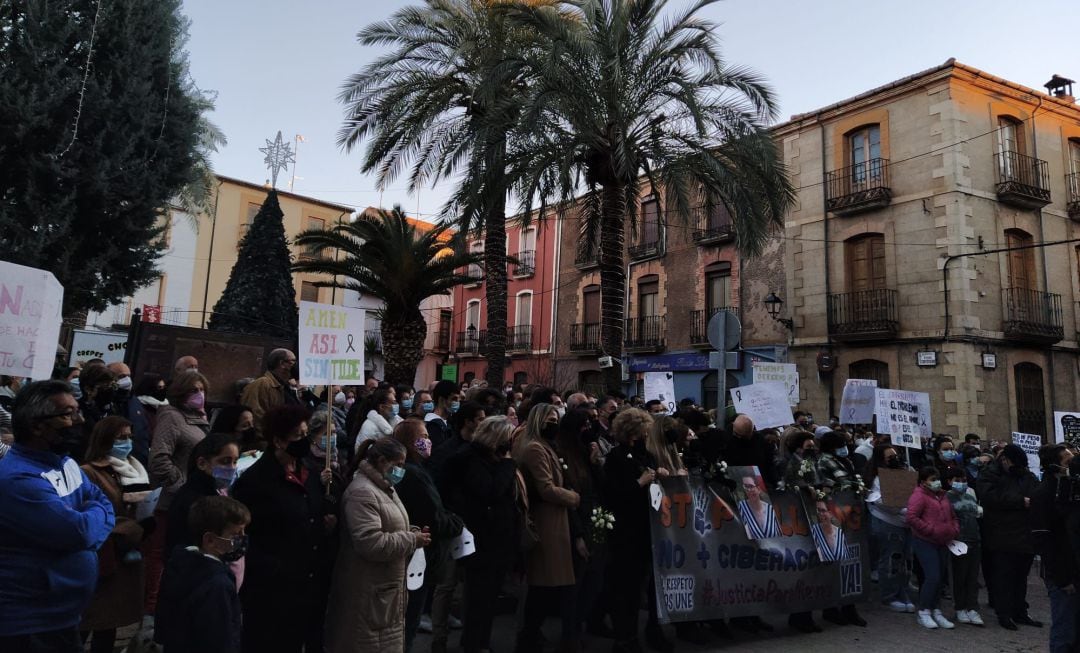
{"points": [[935, 485], [395, 474], [948, 455], [394, 409], [842, 452], [121, 449], [454, 406], [427, 406], [960, 486], [224, 476], [407, 404]]}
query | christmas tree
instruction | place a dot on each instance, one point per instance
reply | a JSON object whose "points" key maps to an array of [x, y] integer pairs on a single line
{"points": [[259, 298]]}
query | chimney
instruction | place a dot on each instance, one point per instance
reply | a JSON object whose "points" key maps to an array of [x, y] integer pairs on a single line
{"points": [[1061, 88]]}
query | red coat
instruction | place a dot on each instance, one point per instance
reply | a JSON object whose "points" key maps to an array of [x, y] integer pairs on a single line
{"points": [[931, 518]]}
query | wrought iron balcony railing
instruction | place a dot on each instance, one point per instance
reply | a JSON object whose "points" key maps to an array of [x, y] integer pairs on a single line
{"points": [[712, 224], [699, 324], [585, 337], [519, 338], [1072, 187], [858, 188], [1033, 316], [1022, 180], [587, 257], [471, 343], [864, 315], [526, 263], [645, 249], [644, 333]]}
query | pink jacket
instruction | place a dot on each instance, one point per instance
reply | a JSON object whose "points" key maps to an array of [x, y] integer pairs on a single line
{"points": [[931, 517]]}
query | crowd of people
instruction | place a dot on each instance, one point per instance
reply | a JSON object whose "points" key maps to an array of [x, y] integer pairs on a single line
{"points": [[286, 521]]}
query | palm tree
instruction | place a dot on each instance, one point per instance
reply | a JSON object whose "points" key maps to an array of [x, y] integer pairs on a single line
{"points": [[438, 103], [623, 102], [386, 256]]}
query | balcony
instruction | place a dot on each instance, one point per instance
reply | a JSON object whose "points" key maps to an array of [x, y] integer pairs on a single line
{"points": [[442, 341], [1072, 205], [1022, 181], [526, 263], [1032, 316], [864, 315], [471, 343], [587, 257], [519, 338], [644, 334], [699, 325], [858, 188], [373, 340], [645, 249], [585, 338], [712, 225], [476, 273]]}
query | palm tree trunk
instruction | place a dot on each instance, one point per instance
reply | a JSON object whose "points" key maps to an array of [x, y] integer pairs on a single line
{"points": [[403, 347], [495, 284], [612, 282]]}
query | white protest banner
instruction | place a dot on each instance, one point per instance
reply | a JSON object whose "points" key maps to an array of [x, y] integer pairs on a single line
{"points": [[857, 404], [904, 415], [31, 308], [661, 386], [765, 403], [786, 373], [1066, 427], [331, 344], [1030, 443], [109, 346]]}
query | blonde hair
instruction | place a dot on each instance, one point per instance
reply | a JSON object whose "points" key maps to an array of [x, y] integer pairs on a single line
{"points": [[663, 450], [631, 423], [493, 432], [538, 415]]}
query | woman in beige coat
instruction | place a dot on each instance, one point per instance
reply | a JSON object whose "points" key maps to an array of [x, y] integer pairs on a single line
{"points": [[367, 599], [550, 565]]}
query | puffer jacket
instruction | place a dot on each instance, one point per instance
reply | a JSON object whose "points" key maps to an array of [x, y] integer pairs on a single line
{"points": [[931, 517], [1006, 524]]}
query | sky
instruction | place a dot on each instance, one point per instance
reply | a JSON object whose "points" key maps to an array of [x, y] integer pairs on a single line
{"points": [[279, 64]]}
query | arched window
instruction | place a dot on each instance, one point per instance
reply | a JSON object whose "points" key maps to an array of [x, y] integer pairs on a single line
{"points": [[868, 368], [710, 387], [1030, 400], [864, 258]]}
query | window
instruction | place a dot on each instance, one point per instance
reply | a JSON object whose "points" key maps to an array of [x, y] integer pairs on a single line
{"points": [[719, 217], [649, 296], [476, 270], [1010, 135], [649, 232], [1021, 262], [309, 292], [523, 313], [869, 368], [1074, 155], [528, 240], [472, 314], [446, 319], [864, 257], [1072, 180], [864, 145], [1030, 403], [521, 379], [717, 286], [590, 305], [249, 219], [312, 224]]}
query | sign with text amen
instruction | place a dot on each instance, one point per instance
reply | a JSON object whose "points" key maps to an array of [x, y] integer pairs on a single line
{"points": [[31, 307], [331, 344]]}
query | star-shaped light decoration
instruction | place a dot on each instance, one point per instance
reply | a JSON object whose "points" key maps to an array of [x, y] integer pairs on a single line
{"points": [[278, 157]]}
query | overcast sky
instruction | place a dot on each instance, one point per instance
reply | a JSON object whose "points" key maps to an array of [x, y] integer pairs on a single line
{"points": [[278, 65]]}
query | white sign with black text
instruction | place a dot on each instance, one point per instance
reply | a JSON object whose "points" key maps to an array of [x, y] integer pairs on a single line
{"points": [[786, 373], [765, 403], [904, 415]]}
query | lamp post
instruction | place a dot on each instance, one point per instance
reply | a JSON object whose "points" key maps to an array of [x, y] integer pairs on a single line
{"points": [[773, 305]]}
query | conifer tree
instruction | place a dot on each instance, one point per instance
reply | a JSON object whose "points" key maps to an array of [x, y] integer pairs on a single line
{"points": [[259, 298]]}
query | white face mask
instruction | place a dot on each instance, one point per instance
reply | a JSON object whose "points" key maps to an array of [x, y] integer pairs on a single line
{"points": [[561, 410], [124, 383], [339, 399]]}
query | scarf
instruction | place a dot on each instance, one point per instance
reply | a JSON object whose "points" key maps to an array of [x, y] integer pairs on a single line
{"points": [[134, 482], [152, 402]]}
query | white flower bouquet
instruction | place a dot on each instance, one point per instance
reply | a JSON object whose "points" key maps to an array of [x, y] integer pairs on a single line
{"points": [[602, 521]]}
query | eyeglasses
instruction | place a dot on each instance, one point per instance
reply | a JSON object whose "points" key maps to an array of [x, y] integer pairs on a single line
{"points": [[749, 487]]}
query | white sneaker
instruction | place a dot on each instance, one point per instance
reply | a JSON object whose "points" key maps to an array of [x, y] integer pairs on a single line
{"points": [[454, 623], [898, 606], [974, 619], [925, 620], [962, 617], [939, 617], [425, 623], [910, 607]]}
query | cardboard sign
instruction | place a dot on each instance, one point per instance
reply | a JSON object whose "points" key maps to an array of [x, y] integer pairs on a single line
{"points": [[661, 386], [31, 309], [786, 373], [1066, 428], [897, 486], [857, 404], [331, 344], [1030, 443], [904, 415], [109, 346], [765, 403]]}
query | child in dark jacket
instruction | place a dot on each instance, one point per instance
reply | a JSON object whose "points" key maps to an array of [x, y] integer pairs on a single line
{"points": [[965, 568], [198, 609]]}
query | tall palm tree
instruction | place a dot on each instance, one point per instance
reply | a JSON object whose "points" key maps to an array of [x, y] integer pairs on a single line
{"points": [[624, 101], [386, 256], [439, 103]]}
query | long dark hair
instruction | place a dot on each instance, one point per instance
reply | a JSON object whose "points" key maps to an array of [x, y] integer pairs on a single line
{"points": [[103, 437], [877, 461], [573, 450]]}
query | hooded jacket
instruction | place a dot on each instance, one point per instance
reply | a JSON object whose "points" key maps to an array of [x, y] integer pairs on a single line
{"points": [[931, 517], [1006, 522], [198, 609], [52, 522]]}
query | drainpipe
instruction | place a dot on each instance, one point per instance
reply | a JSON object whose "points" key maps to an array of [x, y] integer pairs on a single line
{"points": [[1046, 275], [555, 289], [828, 288]]}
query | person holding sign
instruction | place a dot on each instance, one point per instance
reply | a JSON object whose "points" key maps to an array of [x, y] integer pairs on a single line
{"points": [[933, 526], [890, 531]]}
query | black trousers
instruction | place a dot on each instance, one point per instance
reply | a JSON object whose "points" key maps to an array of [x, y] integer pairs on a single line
{"points": [[541, 601], [1010, 575], [627, 573], [483, 577], [65, 640]]}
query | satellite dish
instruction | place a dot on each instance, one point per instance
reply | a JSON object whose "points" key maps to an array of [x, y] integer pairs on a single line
{"points": [[724, 331]]}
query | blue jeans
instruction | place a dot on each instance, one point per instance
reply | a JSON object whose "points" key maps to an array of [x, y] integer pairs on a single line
{"points": [[1064, 609], [932, 558], [894, 556]]}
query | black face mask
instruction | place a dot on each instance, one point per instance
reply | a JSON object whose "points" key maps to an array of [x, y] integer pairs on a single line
{"points": [[70, 439], [121, 396], [502, 450], [298, 448], [105, 396], [248, 435], [639, 446], [549, 431], [238, 551], [894, 463], [158, 394]]}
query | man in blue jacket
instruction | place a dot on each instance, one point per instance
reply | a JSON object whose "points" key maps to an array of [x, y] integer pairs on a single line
{"points": [[52, 522]]}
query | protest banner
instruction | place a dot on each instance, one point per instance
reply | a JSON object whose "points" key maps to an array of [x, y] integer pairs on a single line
{"points": [[331, 344], [786, 373], [857, 402], [765, 403], [31, 309], [897, 486], [1030, 443], [1066, 428], [904, 415], [109, 346], [661, 386], [706, 567]]}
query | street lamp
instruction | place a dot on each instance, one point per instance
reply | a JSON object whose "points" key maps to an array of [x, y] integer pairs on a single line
{"points": [[773, 304]]}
